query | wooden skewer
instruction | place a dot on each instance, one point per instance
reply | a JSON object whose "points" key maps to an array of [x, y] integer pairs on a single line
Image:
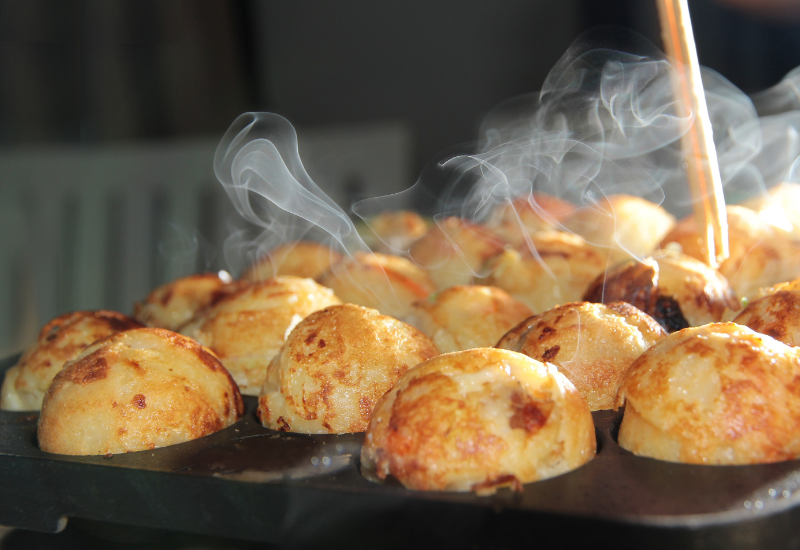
{"points": [[702, 168]]}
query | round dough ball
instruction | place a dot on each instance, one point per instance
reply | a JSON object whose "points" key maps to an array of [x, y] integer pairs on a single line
{"points": [[335, 366], [777, 314], [305, 259], [621, 227], [477, 420], [524, 216], [716, 394], [467, 316], [676, 290], [557, 271], [394, 231], [60, 340], [455, 250], [170, 306], [384, 282], [247, 328], [780, 206], [591, 344], [761, 254], [136, 390]]}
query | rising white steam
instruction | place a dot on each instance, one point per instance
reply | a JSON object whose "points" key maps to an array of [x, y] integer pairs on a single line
{"points": [[605, 122]]}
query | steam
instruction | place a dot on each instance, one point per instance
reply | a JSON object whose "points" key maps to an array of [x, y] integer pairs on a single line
{"points": [[604, 123], [259, 166]]}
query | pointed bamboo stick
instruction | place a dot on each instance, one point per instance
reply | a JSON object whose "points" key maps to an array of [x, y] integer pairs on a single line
{"points": [[700, 156]]}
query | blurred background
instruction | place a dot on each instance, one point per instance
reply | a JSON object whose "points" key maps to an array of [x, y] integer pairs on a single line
{"points": [[110, 111]]}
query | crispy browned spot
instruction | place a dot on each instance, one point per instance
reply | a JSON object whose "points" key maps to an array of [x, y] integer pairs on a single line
{"points": [[528, 415], [89, 369], [167, 296], [632, 282], [139, 401], [311, 336], [283, 425], [550, 353], [321, 343]]}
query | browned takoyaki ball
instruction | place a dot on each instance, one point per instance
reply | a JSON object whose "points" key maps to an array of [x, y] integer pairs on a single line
{"points": [[777, 314], [170, 306], [395, 231], [591, 344], [60, 340], [556, 271], [761, 254], [621, 226], [467, 316], [306, 259], [335, 366], [384, 282], [524, 216], [455, 250], [136, 390], [717, 394], [477, 420], [676, 290], [779, 206], [248, 327]]}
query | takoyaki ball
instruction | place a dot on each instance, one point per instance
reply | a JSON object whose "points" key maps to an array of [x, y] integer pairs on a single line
{"points": [[591, 344], [454, 250], [60, 340], [395, 231], [779, 206], [467, 316], [335, 366], [621, 226], [717, 394], [556, 272], [777, 314], [172, 305], [384, 282], [136, 390], [676, 290], [477, 420], [306, 259], [524, 216], [247, 328], [761, 254]]}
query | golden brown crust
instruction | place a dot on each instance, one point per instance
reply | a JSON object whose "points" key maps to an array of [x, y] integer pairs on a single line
{"points": [[591, 344], [305, 259], [248, 327], [621, 227], [557, 271], [135, 390], [384, 282], [477, 420], [467, 316], [171, 305], [60, 340], [761, 254], [335, 366], [776, 315], [455, 250], [716, 394]]}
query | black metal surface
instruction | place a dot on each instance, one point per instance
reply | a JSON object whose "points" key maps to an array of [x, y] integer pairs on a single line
{"points": [[251, 483]]}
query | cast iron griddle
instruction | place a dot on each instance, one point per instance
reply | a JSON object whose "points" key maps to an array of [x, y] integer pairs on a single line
{"points": [[252, 483]]}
